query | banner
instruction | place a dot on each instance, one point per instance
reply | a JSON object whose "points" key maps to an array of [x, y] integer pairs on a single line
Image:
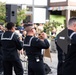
{"points": [[62, 8]]}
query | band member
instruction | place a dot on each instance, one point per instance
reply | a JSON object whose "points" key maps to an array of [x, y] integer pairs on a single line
{"points": [[33, 47], [1, 53], [69, 67], [10, 44], [61, 59]]}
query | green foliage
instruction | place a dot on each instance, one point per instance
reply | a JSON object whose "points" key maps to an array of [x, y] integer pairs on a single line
{"points": [[55, 21], [2, 12], [20, 15], [48, 27], [58, 18]]}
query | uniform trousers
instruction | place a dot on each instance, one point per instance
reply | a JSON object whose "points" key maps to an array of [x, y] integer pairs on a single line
{"points": [[1, 60], [36, 68], [10, 65], [60, 68], [1, 66]]}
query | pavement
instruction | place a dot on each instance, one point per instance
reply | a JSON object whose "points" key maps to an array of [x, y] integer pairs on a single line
{"points": [[53, 64]]}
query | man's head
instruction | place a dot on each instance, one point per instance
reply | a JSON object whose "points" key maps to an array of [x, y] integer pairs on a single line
{"points": [[72, 23], [10, 26], [29, 28]]}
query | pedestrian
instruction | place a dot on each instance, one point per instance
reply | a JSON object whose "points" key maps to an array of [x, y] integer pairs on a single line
{"points": [[10, 43], [33, 47], [69, 67]]}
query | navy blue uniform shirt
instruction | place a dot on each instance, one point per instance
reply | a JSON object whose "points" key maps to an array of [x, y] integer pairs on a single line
{"points": [[33, 45], [10, 44]]}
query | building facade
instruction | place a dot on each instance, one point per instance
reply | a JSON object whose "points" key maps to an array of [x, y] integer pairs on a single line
{"points": [[37, 9], [67, 8]]}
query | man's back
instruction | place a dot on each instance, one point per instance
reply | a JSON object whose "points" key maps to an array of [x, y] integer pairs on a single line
{"points": [[10, 44]]}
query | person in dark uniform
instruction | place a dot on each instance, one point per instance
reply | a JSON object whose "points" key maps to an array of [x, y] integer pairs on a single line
{"points": [[69, 67], [10, 43], [61, 58], [33, 47], [1, 53]]}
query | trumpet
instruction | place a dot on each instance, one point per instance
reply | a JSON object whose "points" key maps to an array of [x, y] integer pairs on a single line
{"points": [[42, 35]]}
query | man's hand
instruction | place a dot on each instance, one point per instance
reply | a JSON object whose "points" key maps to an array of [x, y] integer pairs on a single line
{"points": [[21, 51], [43, 35]]}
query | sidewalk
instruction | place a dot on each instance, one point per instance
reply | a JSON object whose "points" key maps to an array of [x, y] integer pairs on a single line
{"points": [[53, 64]]}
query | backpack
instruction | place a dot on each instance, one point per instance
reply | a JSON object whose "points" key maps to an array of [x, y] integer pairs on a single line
{"points": [[63, 40]]}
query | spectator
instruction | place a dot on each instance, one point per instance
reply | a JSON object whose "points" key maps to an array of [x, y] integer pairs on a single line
{"points": [[21, 28]]}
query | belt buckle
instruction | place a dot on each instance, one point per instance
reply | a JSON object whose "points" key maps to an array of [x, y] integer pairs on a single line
{"points": [[37, 59]]}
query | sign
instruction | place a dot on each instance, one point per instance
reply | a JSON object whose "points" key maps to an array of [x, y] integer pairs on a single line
{"points": [[57, 0], [47, 53], [39, 15]]}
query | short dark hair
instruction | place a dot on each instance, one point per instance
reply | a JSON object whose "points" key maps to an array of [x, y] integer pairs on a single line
{"points": [[27, 25], [10, 25], [72, 20]]}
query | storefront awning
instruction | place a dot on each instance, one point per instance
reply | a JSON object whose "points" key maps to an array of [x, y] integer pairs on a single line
{"points": [[63, 8]]}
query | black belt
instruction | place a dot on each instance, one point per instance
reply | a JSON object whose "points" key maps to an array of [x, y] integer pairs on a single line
{"points": [[35, 58]]}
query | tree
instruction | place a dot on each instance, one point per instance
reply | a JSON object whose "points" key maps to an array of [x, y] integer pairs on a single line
{"points": [[20, 15], [48, 27], [2, 12]]}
